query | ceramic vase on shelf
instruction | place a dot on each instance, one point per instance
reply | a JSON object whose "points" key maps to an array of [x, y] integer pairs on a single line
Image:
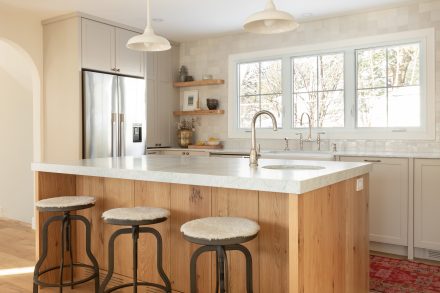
{"points": [[184, 137]]}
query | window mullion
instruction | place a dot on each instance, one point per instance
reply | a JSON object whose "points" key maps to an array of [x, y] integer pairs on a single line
{"points": [[350, 88], [286, 83]]}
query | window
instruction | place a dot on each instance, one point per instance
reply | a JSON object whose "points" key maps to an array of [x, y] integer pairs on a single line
{"points": [[378, 87], [318, 89], [388, 86], [260, 88]]}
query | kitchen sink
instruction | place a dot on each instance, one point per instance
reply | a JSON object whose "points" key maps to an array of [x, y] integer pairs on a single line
{"points": [[293, 167]]}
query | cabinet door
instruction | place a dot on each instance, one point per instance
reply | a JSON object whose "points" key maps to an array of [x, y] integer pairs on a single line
{"points": [[128, 61], [151, 114], [427, 203], [388, 199], [165, 118], [98, 45]]}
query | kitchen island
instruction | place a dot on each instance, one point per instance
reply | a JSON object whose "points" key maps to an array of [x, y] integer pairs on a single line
{"points": [[313, 218]]}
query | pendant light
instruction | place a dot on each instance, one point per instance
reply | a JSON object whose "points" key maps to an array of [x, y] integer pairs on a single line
{"points": [[148, 41], [270, 21]]}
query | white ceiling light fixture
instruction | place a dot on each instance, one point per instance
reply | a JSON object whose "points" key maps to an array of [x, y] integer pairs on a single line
{"points": [[270, 21], [148, 41]]}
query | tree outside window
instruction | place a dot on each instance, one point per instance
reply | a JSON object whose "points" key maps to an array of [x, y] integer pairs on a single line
{"points": [[388, 86], [260, 88], [318, 89]]}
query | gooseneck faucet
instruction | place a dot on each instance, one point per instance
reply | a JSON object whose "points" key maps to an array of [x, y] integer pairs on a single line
{"points": [[253, 156], [309, 120]]}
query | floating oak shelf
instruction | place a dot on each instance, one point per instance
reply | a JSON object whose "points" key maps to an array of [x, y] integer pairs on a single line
{"points": [[199, 83], [198, 112]]}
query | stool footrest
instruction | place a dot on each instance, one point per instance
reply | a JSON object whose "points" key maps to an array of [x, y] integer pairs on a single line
{"points": [[144, 284], [68, 283]]}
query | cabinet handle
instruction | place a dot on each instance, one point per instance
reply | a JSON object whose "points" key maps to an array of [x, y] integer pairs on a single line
{"points": [[117, 69], [372, 161], [187, 153], [183, 153], [113, 69]]}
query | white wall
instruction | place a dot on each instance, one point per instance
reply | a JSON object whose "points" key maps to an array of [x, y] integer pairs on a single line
{"points": [[16, 179], [211, 56], [20, 110]]}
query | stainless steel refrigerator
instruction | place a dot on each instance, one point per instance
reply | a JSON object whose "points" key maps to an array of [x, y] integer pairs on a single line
{"points": [[114, 115]]}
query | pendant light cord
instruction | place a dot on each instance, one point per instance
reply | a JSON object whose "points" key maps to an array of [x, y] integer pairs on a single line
{"points": [[149, 15]]}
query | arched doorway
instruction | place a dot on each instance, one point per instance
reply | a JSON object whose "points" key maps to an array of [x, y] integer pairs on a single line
{"points": [[20, 128]]}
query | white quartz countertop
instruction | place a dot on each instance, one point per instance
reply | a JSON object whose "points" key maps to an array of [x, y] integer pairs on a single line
{"points": [[210, 171]]}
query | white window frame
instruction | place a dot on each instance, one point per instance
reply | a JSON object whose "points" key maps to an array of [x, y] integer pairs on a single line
{"points": [[426, 38]]}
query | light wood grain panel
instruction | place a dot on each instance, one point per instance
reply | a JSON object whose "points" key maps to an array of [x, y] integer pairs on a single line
{"points": [[296, 268], [188, 203], [274, 242], [357, 252], [238, 203], [52, 185], [158, 195], [118, 194], [91, 186], [322, 237], [329, 240]]}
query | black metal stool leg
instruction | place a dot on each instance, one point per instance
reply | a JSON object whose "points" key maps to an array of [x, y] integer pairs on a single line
{"points": [[248, 256], [89, 248], [66, 245], [63, 236], [44, 249], [221, 264], [217, 271], [111, 257], [159, 256], [69, 247], [193, 265], [135, 236]]}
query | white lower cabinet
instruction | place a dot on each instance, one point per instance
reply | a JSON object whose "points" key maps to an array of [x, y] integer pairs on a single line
{"points": [[427, 204], [388, 199]]}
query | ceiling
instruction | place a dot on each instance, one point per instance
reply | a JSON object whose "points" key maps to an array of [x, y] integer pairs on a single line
{"points": [[184, 20]]}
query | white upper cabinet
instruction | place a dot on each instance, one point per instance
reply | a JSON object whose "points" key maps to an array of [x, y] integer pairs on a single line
{"points": [[162, 97], [427, 204], [98, 49], [104, 49], [128, 61], [389, 196]]}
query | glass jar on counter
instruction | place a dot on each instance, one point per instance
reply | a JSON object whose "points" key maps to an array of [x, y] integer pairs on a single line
{"points": [[184, 137]]}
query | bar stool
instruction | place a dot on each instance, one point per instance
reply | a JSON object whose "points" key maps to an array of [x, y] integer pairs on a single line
{"points": [[66, 205], [220, 234], [135, 217]]}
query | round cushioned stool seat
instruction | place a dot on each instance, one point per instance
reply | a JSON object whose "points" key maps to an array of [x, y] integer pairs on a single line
{"points": [[220, 230], [65, 203], [135, 216]]}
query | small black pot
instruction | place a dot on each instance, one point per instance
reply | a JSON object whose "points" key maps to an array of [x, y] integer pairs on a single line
{"points": [[212, 104]]}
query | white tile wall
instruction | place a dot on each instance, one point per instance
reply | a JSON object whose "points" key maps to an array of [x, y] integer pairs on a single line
{"points": [[211, 56]]}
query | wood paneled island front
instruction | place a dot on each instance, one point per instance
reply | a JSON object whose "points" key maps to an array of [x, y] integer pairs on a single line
{"points": [[314, 224]]}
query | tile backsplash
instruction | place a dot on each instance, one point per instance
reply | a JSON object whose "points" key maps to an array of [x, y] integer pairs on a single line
{"points": [[210, 56]]}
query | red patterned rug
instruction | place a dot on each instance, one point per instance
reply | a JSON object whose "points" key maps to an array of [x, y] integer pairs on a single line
{"points": [[388, 275]]}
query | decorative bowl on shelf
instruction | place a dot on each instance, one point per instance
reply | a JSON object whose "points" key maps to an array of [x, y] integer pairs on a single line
{"points": [[213, 141], [212, 104]]}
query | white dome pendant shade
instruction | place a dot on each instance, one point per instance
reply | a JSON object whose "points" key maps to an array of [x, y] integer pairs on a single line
{"points": [[148, 41], [270, 21]]}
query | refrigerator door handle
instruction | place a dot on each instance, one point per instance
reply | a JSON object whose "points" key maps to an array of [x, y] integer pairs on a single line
{"points": [[114, 136], [121, 135]]}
